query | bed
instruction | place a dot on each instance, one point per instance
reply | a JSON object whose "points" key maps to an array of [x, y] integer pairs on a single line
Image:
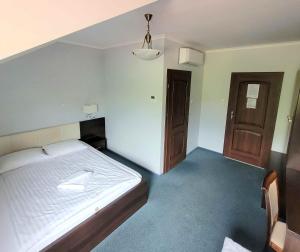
{"points": [[36, 216]]}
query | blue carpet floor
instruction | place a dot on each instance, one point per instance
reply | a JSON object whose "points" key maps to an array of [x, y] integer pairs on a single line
{"points": [[193, 207]]}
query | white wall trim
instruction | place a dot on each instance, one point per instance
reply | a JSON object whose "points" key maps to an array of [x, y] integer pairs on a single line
{"points": [[162, 36], [288, 43], [185, 44], [140, 41], [64, 41], [155, 37], [32, 50]]}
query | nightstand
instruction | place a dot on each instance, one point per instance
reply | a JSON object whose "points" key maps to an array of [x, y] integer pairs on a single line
{"points": [[92, 132], [97, 142]]}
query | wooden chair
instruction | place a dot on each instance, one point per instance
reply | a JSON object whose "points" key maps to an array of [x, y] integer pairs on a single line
{"points": [[276, 229]]}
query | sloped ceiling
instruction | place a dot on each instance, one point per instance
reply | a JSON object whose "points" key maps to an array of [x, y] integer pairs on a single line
{"points": [[27, 24], [204, 24]]}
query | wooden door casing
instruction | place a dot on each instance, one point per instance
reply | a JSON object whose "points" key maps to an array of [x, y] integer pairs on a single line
{"points": [[293, 160], [249, 132], [177, 112]]}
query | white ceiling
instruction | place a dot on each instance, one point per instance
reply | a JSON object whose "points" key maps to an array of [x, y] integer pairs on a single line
{"points": [[204, 24], [27, 25]]}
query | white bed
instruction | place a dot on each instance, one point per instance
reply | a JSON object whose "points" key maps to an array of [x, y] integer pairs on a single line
{"points": [[34, 213]]}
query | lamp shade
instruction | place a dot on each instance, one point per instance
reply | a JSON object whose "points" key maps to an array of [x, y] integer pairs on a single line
{"points": [[90, 109], [146, 54]]}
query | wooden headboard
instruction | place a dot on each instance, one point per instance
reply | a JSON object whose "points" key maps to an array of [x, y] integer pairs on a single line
{"points": [[38, 138]]}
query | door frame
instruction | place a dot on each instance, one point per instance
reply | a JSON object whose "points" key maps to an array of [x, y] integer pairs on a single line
{"points": [[277, 79], [167, 167]]}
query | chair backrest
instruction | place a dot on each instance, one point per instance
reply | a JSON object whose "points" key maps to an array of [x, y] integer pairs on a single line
{"points": [[270, 188]]}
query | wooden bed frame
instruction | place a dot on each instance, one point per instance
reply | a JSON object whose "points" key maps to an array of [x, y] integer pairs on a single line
{"points": [[92, 231]]}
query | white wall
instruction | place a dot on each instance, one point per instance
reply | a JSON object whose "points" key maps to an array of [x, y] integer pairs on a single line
{"points": [[171, 62], [49, 87], [219, 65], [133, 119], [135, 123]]}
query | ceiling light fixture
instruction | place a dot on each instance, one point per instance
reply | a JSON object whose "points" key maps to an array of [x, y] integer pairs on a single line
{"points": [[147, 52]]}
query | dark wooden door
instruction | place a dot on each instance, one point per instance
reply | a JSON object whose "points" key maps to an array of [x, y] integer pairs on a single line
{"points": [[293, 175], [251, 116], [177, 111], [293, 161]]}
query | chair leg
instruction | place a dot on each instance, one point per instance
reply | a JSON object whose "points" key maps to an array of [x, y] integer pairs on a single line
{"points": [[275, 247], [268, 249]]}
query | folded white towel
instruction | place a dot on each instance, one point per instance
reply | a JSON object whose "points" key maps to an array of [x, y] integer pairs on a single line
{"points": [[231, 246], [72, 187], [76, 182]]}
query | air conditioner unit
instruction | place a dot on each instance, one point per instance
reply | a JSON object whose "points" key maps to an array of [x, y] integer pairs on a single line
{"points": [[191, 57]]}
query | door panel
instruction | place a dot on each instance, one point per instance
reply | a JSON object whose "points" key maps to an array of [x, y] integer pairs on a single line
{"points": [[177, 144], [251, 116], [247, 142], [179, 96], [177, 111], [255, 117]]}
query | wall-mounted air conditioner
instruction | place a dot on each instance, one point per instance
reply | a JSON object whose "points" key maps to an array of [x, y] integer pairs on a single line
{"points": [[191, 57]]}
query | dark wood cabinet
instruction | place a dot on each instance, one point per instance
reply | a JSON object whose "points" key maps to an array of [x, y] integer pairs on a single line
{"points": [[98, 143], [93, 133], [293, 161], [293, 175]]}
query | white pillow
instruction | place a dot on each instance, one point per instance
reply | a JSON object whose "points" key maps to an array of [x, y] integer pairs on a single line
{"points": [[65, 147], [20, 158]]}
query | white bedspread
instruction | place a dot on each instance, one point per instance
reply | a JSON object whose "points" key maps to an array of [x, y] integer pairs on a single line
{"points": [[34, 213]]}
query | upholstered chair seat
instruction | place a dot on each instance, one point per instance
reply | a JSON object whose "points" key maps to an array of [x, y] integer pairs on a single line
{"points": [[278, 235]]}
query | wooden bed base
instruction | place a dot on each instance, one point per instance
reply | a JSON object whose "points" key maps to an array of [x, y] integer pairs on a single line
{"points": [[92, 231]]}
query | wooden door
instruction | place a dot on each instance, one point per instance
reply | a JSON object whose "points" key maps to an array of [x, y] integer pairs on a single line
{"points": [[251, 116], [177, 111], [293, 175], [293, 160]]}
